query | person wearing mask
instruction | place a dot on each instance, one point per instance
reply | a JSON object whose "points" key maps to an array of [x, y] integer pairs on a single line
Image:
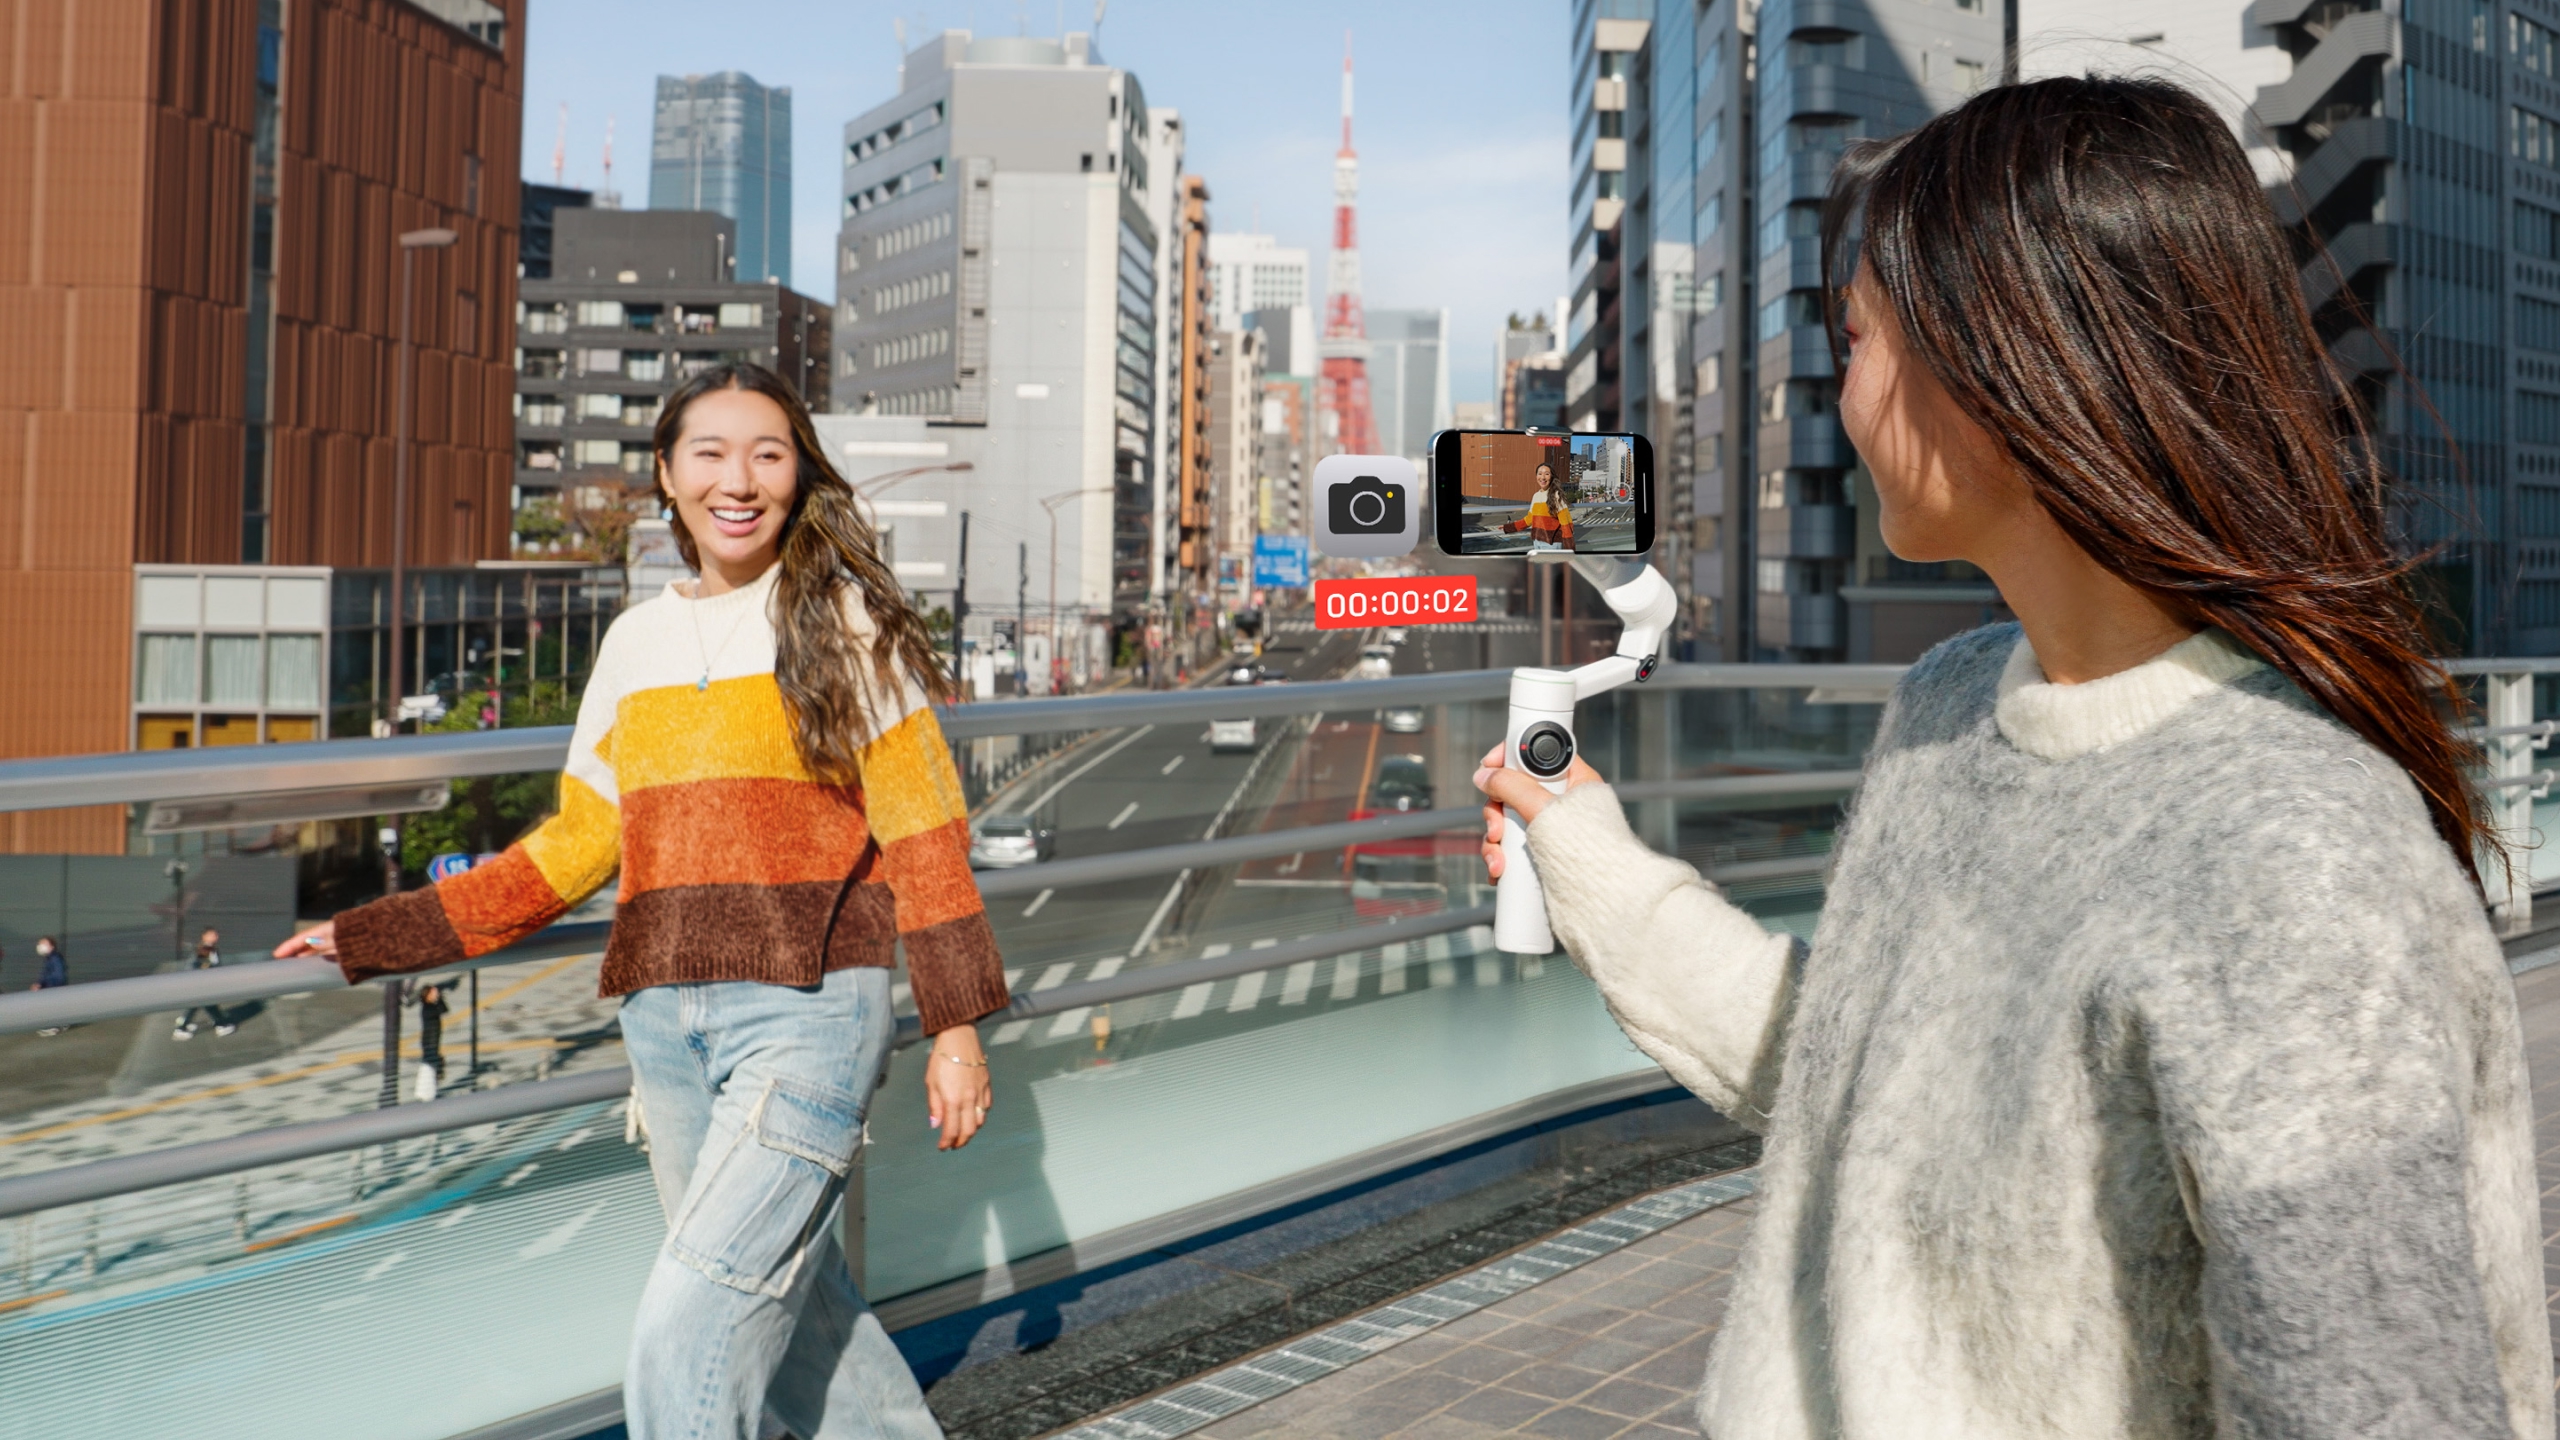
{"points": [[2153, 1070], [757, 757], [208, 956]]}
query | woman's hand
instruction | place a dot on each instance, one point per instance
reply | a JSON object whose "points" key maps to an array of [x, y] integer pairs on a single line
{"points": [[957, 1094], [320, 940], [1504, 786]]}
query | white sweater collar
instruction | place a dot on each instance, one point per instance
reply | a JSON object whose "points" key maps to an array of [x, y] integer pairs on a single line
{"points": [[2057, 722]]}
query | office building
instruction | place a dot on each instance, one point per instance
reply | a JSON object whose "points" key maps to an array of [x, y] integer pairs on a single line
{"points": [[723, 143], [1285, 451], [1534, 343], [206, 347], [997, 269], [1188, 355], [1254, 272], [533, 224], [636, 305], [1235, 428], [1288, 339], [1408, 379]]}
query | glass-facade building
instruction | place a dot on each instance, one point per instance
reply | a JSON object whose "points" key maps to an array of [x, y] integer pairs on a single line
{"points": [[723, 143]]}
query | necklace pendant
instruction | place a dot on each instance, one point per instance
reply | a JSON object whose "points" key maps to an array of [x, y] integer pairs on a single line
{"points": [[704, 683]]}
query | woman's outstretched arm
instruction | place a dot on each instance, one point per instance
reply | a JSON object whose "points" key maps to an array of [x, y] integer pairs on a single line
{"points": [[1696, 983]]}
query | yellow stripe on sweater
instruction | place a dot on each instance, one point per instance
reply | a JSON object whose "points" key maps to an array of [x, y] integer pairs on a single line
{"points": [[908, 785], [736, 730], [577, 849]]}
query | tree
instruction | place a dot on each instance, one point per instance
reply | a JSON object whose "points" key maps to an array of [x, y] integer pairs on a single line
{"points": [[487, 813]]}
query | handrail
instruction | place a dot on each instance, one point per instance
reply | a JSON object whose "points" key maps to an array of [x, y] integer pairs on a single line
{"points": [[132, 776], [87, 1004], [147, 775], [100, 1179]]}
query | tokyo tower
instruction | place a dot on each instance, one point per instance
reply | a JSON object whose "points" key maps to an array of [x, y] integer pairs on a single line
{"points": [[1346, 331]]}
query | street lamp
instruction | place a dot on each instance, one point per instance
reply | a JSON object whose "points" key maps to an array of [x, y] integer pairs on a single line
{"points": [[410, 244]]}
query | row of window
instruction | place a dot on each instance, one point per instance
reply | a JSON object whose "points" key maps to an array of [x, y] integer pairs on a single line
{"points": [[901, 295], [556, 317], [275, 671], [888, 135], [645, 365], [933, 400], [631, 457], [608, 408], [896, 187], [906, 237], [2535, 47], [909, 348], [2533, 138]]}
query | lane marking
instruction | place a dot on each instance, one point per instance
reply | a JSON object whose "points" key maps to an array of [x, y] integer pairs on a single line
{"points": [[1106, 968], [1195, 998], [1055, 976], [1010, 1031], [1068, 1021], [1036, 902], [1248, 992], [1301, 979], [1078, 773], [1123, 817], [1346, 976], [1172, 765]]}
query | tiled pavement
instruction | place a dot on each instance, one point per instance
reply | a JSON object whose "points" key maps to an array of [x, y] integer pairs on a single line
{"points": [[1616, 1347]]}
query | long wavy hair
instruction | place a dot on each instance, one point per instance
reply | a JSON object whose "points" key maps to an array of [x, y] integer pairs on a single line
{"points": [[827, 544], [2090, 268]]}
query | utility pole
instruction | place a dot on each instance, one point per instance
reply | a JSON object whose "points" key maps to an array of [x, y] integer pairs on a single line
{"points": [[960, 597], [1021, 614]]}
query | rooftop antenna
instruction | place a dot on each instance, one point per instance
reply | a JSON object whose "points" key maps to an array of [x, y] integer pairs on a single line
{"points": [[560, 150], [608, 198], [1098, 7]]}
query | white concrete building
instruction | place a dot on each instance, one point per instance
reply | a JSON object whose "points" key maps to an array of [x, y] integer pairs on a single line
{"points": [[1253, 272], [996, 285], [2212, 47], [1408, 379]]}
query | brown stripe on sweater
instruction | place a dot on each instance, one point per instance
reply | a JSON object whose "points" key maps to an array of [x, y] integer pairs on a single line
{"points": [[772, 934], [396, 935], [956, 971]]}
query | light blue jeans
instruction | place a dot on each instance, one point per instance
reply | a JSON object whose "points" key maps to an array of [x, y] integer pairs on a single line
{"points": [[753, 1096]]}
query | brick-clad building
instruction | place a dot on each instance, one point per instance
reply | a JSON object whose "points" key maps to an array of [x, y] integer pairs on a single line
{"points": [[200, 210]]}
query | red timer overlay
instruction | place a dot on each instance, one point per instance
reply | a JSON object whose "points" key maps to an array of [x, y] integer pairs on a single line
{"points": [[1398, 600]]}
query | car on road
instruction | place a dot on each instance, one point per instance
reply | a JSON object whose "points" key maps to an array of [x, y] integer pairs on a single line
{"points": [[1403, 720], [1001, 842], [1403, 782], [1228, 736], [1377, 662], [1395, 635], [1242, 673]]}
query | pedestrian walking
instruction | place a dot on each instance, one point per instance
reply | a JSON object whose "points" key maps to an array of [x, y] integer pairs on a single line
{"points": [[53, 970], [208, 957], [431, 1012], [756, 755], [2153, 1072]]}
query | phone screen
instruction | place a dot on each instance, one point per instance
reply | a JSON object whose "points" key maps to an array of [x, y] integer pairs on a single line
{"points": [[1511, 492]]}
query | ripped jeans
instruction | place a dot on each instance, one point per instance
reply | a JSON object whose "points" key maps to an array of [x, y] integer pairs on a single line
{"points": [[753, 1096]]}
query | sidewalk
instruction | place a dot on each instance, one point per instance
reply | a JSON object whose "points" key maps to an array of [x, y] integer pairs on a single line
{"points": [[1612, 1348]]}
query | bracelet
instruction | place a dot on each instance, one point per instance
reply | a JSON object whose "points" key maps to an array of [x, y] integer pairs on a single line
{"points": [[956, 1060]]}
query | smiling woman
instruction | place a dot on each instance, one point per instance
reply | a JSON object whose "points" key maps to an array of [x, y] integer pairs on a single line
{"points": [[757, 758]]}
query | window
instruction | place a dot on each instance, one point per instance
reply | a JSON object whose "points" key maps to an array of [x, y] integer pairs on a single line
{"points": [[1797, 136], [1793, 310], [2537, 231], [598, 452], [644, 365], [2537, 418], [543, 319], [2537, 324], [165, 670], [1796, 222], [293, 672], [1773, 577], [538, 410], [600, 407], [231, 670], [540, 364], [1613, 124], [741, 316], [1711, 375], [1970, 76], [1710, 140], [2532, 138], [2531, 45], [2538, 508], [600, 362], [600, 312], [1844, 48]]}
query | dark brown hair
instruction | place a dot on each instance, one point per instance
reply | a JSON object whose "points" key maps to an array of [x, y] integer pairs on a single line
{"points": [[827, 543], [2089, 267]]}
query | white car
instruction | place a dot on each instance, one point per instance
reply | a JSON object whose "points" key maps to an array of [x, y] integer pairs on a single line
{"points": [[1395, 635], [1004, 841], [1377, 662], [1404, 720], [1226, 736]]}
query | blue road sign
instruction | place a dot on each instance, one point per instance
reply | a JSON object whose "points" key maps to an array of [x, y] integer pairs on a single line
{"points": [[1280, 560]]}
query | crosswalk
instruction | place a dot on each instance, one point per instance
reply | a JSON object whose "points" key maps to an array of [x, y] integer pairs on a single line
{"points": [[1434, 962]]}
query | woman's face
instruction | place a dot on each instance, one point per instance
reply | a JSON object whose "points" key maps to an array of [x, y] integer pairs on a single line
{"points": [[1546, 478], [1943, 483], [732, 476]]}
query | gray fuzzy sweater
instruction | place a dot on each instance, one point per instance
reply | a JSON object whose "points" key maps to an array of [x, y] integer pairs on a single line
{"points": [[2153, 1073]]}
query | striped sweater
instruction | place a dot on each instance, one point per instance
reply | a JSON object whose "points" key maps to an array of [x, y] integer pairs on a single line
{"points": [[735, 864]]}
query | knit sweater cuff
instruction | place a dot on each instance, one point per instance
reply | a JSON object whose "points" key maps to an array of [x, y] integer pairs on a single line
{"points": [[395, 935]]}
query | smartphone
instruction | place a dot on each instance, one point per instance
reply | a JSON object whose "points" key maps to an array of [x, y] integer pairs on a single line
{"points": [[1533, 492]]}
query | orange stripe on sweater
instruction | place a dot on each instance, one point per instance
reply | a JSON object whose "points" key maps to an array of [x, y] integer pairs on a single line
{"points": [[738, 832], [493, 906], [929, 874]]}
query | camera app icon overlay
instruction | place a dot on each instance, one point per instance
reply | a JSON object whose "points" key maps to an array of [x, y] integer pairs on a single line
{"points": [[1367, 507]]}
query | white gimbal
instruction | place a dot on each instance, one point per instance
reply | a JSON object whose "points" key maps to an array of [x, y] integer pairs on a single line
{"points": [[1540, 738]]}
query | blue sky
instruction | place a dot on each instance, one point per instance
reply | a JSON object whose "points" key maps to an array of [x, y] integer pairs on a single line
{"points": [[1462, 118]]}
